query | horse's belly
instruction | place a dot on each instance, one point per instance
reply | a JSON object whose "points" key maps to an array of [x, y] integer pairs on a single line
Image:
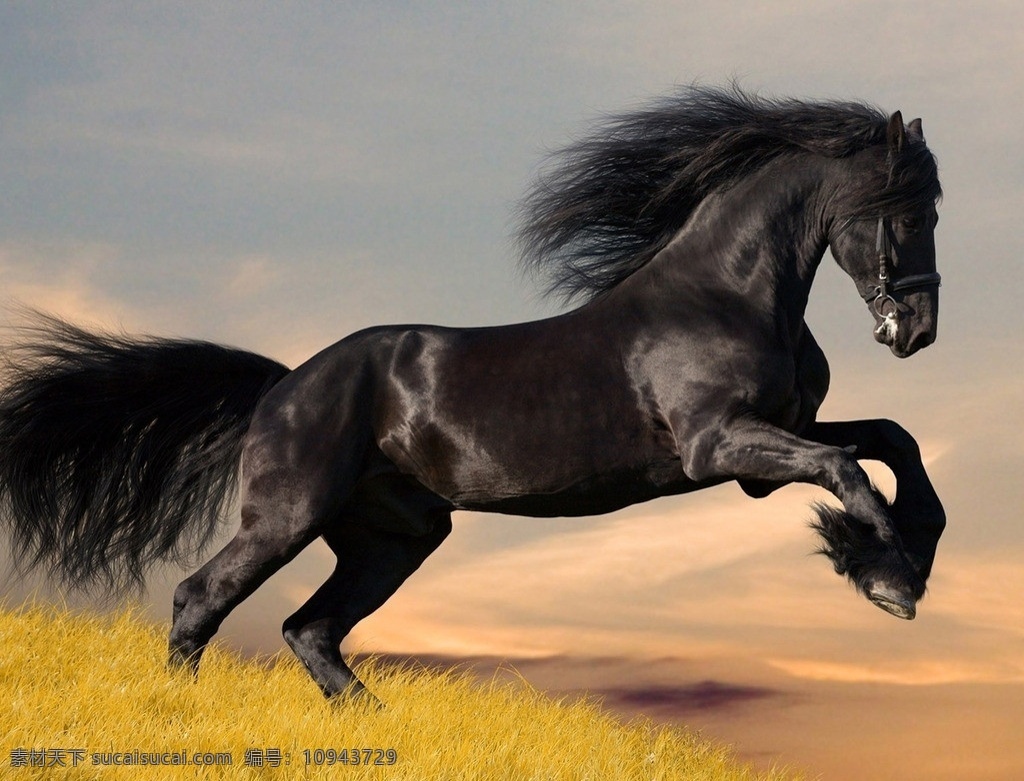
{"points": [[592, 495]]}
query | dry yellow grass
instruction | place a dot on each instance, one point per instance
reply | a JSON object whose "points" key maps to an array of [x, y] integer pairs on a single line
{"points": [[99, 684]]}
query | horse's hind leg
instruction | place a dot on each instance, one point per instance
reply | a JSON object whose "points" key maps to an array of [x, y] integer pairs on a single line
{"points": [[372, 564], [291, 487], [201, 602]]}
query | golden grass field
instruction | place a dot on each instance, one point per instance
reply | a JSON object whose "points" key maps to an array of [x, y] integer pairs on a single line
{"points": [[98, 684]]}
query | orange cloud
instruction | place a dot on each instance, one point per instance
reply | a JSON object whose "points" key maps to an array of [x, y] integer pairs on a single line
{"points": [[56, 278]]}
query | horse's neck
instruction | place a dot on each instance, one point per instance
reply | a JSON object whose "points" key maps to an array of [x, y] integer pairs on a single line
{"points": [[756, 245]]}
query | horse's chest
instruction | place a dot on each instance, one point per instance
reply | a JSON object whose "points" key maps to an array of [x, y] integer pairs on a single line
{"points": [[789, 391], [711, 382]]}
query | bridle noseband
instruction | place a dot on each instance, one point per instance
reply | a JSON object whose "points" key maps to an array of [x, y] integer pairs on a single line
{"points": [[882, 292]]}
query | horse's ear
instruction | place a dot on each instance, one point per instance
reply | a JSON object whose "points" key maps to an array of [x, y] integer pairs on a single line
{"points": [[896, 133], [914, 128]]}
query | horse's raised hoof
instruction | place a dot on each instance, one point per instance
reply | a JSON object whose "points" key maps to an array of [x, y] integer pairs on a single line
{"points": [[891, 601]]}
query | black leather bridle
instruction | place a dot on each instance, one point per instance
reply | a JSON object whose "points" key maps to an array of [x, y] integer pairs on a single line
{"points": [[886, 286]]}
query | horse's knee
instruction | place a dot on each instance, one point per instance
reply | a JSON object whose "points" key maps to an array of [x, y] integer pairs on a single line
{"points": [[899, 439]]}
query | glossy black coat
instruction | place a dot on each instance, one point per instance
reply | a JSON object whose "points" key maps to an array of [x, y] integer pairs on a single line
{"points": [[689, 369]]}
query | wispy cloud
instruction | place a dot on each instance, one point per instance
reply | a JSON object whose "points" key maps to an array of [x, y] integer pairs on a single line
{"points": [[59, 278], [919, 672]]}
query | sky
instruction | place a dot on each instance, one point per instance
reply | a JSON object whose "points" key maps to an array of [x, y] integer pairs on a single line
{"points": [[280, 175]]}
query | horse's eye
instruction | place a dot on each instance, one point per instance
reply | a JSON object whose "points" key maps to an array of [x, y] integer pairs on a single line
{"points": [[911, 224]]}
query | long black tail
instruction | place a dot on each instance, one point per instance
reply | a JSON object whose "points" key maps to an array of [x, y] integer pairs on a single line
{"points": [[117, 452]]}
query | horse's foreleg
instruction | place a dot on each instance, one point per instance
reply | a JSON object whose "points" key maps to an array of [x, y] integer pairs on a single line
{"points": [[372, 564], [916, 511], [752, 449]]}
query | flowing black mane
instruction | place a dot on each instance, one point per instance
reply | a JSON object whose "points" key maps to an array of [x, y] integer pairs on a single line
{"points": [[610, 202]]}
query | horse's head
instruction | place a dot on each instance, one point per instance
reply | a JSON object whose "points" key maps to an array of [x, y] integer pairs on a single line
{"points": [[891, 254]]}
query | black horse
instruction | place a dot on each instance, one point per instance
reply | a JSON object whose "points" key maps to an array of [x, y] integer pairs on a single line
{"points": [[690, 231]]}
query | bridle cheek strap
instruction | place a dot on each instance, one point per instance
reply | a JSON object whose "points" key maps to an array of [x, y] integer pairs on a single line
{"points": [[886, 286]]}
